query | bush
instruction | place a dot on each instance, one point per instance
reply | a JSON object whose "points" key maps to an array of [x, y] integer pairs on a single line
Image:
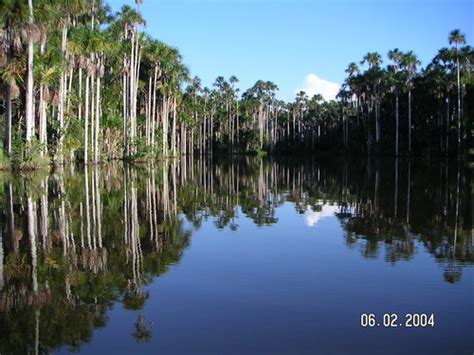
{"points": [[27, 155], [4, 161]]}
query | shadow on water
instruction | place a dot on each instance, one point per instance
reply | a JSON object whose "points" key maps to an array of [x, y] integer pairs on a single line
{"points": [[75, 243]]}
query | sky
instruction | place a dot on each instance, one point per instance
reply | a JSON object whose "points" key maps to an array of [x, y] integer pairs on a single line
{"points": [[299, 44]]}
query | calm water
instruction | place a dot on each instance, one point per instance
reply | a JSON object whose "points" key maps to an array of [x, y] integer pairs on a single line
{"points": [[237, 257]]}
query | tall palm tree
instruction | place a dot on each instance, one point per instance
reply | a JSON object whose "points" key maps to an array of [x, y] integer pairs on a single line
{"points": [[436, 78], [457, 38], [48, 70], [374, 75], [410, 63], [29, 107], [14, 15], [67, 10], [445, 58], [129, 22], [301, 106], [235, 111], [396, 57]]}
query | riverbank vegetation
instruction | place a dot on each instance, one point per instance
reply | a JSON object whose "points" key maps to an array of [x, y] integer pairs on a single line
{"points": [[93, 86]]}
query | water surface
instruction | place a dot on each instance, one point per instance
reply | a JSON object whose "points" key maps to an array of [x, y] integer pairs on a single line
{"points": [[237, 257]]}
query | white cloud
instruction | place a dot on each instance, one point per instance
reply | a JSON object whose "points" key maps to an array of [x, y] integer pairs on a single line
{"points": [[313, 85], [312, 217]]}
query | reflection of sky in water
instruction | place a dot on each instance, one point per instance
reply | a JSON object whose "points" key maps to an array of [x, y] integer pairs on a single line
{"points": [[311, 217]]}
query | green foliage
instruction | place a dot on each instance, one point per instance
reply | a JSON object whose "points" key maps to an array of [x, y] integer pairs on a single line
{"points": [[141, 151], [27, 155], [5, 163]]}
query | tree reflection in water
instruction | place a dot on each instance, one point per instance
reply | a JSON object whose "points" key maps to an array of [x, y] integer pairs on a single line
{"points": [[75, 243]]}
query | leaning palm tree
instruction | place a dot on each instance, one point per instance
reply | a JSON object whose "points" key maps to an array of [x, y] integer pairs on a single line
{"points": [[457, 38]]}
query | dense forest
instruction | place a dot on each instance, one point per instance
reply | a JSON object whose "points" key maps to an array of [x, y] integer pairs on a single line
{"points": [[92, 86]]}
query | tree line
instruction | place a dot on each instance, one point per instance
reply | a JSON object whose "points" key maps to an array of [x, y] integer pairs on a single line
{"points": [[92, 85]]}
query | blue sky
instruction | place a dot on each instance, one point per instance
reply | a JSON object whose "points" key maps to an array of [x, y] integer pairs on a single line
{"points": [[298, 43]]}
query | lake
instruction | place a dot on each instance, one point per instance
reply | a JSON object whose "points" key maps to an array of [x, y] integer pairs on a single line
{"points": [[278, 256]]}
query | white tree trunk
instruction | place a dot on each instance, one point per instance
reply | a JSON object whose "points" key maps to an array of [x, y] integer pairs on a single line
{"points": [[173, 134], [42, 109], [165, 126], [30, 117], [86, 121], [97, 117], [62, 94], [153, 114]]}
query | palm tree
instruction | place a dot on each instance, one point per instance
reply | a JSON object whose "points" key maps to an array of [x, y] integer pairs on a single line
{"points": [[29, 108], [128, 22], [100, 47], [172, 72], [48, 70], [234, 105], [445, 58], [436, 79], [457, 38], [195, 88], [13, 17], [67, 10], [301, 106], [396, 57], [344, 95], [374, 75], [410, 63]]}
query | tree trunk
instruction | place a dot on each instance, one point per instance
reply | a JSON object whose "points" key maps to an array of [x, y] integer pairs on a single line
{"points": [[92, 116], [397, 124], [153, 114], [68, 90], [8, 97], [29, 114], [409, 121], [42, 120], [86, 121], [62, 89], [132, 88], [173, 134], [79, 106], [377, 124], [165, 126], [97, 115], [447, 122], [148, 114], [42, 108], [459, 104]]}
